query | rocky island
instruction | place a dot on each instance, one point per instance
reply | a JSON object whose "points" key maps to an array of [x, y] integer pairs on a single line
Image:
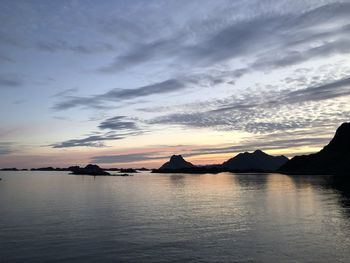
{"points": [[95, 170], [90, 169]]}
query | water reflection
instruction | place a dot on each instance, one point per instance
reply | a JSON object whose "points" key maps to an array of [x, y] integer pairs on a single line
{"points": [[178, 180], [174, 218], [342, 186], [253, 181]]}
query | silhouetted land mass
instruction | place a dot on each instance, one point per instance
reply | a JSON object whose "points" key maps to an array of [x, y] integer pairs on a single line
{"points": [[90, 169], [95, 170], [9, 169], [333, 159], [257, 160], [176, 162]]}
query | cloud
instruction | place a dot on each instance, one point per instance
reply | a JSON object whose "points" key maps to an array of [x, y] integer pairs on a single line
{"points": [[338, 88], [270, 111], [289, 58], [142, 53], [118, 123], [6, 148], [277, 38], [126, 158], [89, 141], [166, 86], [86, 49], [115, 95], [276, 34], [120, 129], [10, 81], [65, 92]]}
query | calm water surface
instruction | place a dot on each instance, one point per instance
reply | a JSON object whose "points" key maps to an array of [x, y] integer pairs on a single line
{"points": [[56, 217]]}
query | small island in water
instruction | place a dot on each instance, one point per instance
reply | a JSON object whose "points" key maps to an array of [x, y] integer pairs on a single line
{"points": [[93, 169]]}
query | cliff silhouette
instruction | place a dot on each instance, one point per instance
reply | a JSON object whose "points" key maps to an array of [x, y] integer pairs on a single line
{"points": [[333, 159]]}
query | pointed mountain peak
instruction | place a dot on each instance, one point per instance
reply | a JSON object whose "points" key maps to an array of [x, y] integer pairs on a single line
{"points": [[341, 139], [176, 162]]}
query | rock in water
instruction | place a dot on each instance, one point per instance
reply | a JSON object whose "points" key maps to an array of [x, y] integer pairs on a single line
{"points": [[90, 169]]}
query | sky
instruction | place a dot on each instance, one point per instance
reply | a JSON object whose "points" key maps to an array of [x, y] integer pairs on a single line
{"points": [[129, 83]]}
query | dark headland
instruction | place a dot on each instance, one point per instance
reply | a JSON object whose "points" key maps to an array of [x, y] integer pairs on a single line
{"points": [[333, 159]]}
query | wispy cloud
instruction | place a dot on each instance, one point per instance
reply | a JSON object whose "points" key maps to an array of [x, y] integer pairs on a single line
{"points": [[270, 39], [118, 123], [60, 45], [10, 81], [266, 111], [65, 92], [115, 95], [119, 128], [89, 141], [6, 148]]}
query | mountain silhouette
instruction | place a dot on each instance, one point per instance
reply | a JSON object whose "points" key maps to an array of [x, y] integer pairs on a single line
{"points": [[334, 158], [257, 160], [176, 162]]}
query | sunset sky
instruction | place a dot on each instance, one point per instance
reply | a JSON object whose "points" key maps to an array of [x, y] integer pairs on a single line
{"points": [[129, 83]]}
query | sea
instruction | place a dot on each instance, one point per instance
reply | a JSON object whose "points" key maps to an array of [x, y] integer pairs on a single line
{"points": [[226, 217]]}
